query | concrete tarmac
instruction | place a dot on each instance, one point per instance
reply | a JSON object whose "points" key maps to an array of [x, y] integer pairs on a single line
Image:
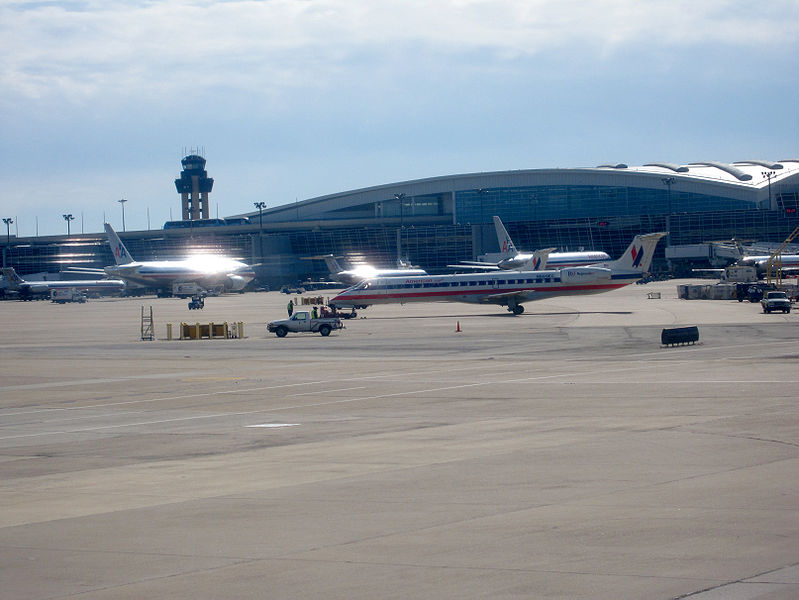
{"points": [[559, 454]]}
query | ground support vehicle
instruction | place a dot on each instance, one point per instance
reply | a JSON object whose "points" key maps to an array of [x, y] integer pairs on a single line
{"points": [[776, 301], [64, 295], [197, 302], [302, 322]]}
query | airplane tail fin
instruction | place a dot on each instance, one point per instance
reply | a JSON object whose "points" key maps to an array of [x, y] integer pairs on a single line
{"points": [[121, 254], [539, 260], [332, 264], [506, 245], [639, 253], [12, 278]]}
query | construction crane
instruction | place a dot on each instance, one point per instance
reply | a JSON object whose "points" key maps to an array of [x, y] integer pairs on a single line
{"points": [[774, 263]]}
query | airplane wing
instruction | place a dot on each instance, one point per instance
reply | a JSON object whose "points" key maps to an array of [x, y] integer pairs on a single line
{"points": [[85, 270], [499, 298], [476, 266]]}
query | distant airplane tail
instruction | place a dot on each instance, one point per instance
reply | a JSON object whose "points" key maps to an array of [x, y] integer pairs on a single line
{"points": [[12, 278], [332, 264], [121, 254], [506, 245], [538, 262], [639, 253]]}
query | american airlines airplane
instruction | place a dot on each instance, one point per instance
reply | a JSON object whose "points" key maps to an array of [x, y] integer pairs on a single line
{"points": [[521, 260], [361, 272], [788, 262], [508, 289], [26, 289], [207, 271]]}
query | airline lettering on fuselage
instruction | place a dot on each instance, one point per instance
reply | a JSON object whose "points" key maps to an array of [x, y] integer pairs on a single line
{"points": [[571, 273]]}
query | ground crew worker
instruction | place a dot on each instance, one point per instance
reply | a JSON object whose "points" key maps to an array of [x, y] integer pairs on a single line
{"points": [[314, 313], [290, 307]]}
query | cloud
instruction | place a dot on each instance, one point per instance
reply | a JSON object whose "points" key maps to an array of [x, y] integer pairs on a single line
{"points": [[79, 51]]}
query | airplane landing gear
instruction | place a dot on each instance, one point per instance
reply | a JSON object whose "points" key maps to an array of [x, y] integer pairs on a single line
{"points": [[515, 308]]}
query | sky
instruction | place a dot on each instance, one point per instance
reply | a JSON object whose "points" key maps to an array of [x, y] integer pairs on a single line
{"points": [[293, 99]]}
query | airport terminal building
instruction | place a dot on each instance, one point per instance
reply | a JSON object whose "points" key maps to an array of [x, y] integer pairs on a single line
{"points": [[439, 221]]}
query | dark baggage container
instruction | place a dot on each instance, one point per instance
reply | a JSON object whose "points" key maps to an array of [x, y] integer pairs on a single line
{"points": [[679, 335]]}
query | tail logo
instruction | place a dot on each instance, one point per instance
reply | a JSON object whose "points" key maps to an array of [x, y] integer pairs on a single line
{"points": [[505, 245], [119, 251], [536, 264], [638, 255]]}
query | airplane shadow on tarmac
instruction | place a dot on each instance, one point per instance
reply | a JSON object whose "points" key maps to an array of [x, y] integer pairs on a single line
{"points": [[506, 315]]}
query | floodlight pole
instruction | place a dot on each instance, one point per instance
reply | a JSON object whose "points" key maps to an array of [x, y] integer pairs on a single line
{"points": [[768, 175], [481, 193], [401, 199], [68, 217], [7, 221], [260, 206], [122, 202], [668, 182]]}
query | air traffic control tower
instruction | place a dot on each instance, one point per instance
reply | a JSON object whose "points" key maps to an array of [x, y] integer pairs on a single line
{"points": [[194, 186]]}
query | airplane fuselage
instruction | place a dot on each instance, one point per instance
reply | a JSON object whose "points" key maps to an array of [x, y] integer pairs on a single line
{"points": [[101, 286], [353, 276], [207, 271], [506, 288], [761, 262], [557, 260], [488, 288]]}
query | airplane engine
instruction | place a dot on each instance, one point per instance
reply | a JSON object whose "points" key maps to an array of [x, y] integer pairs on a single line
{"points": [[579, 275], [236, 282]]}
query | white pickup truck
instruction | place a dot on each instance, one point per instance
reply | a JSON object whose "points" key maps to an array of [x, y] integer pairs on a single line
{"points": [[776, 301], [302, 322]]}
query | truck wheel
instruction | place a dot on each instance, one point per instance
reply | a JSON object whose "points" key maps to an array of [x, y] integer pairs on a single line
{"points": [[325, 330], [281, 331]]}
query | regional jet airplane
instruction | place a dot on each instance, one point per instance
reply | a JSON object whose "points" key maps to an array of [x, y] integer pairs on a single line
{"points": [[361, 272], [26, 289], [515, 260], [207, 271], [508, 289]]}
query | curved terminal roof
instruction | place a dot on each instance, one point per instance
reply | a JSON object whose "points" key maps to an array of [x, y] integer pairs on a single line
{"points": [[741, 179]]}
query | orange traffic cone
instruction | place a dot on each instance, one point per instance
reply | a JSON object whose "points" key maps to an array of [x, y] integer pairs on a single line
{"points": [[458, 328]]}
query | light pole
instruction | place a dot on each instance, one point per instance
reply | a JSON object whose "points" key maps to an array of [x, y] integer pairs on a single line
{"points": [[8, 222], [122, 202], [260, 206], [68, 217], [668, 182], [481, 193], [400, 198], [768, 175]]}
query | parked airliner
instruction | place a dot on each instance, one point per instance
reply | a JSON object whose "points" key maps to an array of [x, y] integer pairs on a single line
{"points": [[26, 289], [788, 262], [515, 260], [361, 272], [508, 289], [207, 271]]}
